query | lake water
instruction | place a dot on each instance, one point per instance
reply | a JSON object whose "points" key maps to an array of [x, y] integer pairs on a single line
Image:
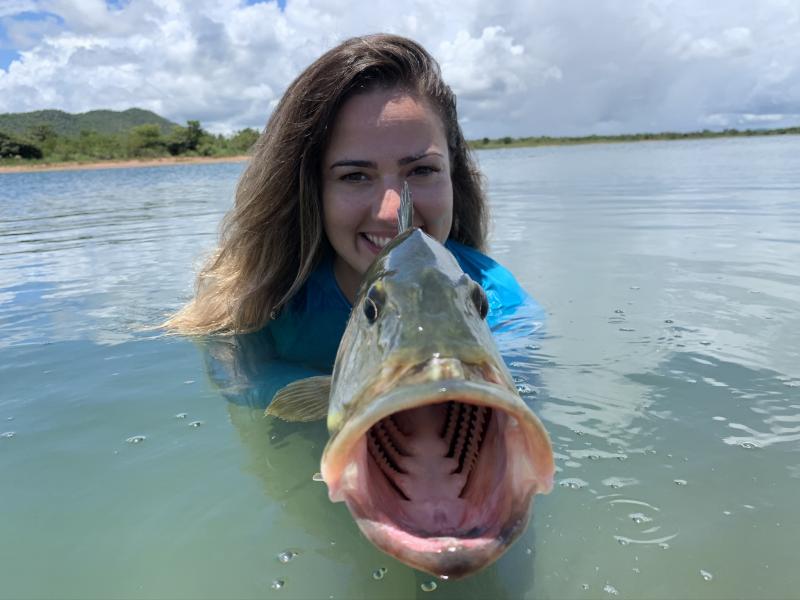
{"points": [[668, 377]]}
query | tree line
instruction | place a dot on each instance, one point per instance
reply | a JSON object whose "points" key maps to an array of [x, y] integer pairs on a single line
{"points": [[42, 143], [507, 142]]}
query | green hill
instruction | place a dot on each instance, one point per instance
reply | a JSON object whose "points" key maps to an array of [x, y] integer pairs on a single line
{"points": [[70, 125]]}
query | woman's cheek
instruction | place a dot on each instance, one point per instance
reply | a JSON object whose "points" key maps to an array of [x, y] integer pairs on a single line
{"points": [[437, 213]]}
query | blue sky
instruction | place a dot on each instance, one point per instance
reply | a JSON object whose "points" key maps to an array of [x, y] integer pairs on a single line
{"points": [[6, 56], [518, 67]]}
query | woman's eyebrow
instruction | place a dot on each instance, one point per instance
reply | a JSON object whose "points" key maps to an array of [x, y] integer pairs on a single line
{"points": [[368, 164], [415, 157]]}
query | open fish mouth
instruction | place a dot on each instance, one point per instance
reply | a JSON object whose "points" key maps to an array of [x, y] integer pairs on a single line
{"points": [[441, 473]]}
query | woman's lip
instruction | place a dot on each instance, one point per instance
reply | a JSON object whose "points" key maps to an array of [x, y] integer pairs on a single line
{"points": [[372, 247], [386, 235]]}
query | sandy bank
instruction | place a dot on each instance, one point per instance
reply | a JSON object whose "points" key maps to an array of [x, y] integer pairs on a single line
{"points": [[120, 164]]}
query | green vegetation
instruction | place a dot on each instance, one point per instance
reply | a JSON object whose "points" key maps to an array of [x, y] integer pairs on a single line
{"points": [[69, 125], [508, 142], [53, 136], [10, 146]]}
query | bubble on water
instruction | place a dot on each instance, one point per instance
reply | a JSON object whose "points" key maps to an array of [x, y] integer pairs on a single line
{"points": [[428, 586], [640, 518], [379, 573], [317, 477], [681, 482], [525, 389], [136, 439], [619, 482], [706, 575], [749, 445], [573, 483], [196, 423], [286, 556], [277, 584], [610, 589], [8, 434], [181, 415]]}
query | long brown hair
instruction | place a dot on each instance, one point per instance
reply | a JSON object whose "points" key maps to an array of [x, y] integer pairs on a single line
{"points": [[273, 237]]}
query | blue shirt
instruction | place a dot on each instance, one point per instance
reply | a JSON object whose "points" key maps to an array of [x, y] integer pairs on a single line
{"points": [[309, 329], [248, 369]]}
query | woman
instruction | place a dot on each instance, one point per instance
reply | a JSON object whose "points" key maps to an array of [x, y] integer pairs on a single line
{"points": [[319, 199]]}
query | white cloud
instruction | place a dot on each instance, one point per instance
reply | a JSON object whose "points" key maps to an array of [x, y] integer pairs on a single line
{"points": [[519, 68], [736, 41]]}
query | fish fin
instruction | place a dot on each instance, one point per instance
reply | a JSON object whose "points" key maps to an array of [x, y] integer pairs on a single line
{"points": [[405, 214], [302, 400]]}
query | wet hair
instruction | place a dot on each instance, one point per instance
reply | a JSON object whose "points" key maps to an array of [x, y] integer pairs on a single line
{"points": [[273, 237]]}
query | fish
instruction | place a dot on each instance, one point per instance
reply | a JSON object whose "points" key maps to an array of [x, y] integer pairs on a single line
{"points": [[431, 447]]}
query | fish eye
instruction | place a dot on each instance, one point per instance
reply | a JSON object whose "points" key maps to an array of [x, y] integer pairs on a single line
{"points": [[373, 303], [480, 301]]}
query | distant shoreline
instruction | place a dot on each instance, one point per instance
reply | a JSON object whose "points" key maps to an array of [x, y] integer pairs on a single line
{"points": [[120, 164], [478, 144], [533, 141]]}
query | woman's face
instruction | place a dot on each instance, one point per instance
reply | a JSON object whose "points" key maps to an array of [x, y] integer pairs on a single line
{"points": [[379, 140]]}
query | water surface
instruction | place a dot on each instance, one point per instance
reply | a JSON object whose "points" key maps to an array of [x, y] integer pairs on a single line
{"points": [[668, 376]]}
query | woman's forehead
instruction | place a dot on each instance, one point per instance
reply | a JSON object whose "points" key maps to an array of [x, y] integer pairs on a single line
{"points": [[384, 118]]}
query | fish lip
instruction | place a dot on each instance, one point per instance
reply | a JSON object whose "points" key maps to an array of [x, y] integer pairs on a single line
{"points": [[431, 554], [445, 556]]}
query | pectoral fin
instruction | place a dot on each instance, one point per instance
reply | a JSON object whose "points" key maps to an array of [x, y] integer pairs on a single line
{"points": [[302, 400]]}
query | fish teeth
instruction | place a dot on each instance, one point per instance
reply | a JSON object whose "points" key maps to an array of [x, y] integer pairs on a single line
{"points": [[387, 454], [379, 241]]}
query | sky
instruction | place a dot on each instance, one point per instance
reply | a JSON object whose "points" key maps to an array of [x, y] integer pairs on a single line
{"points": [[518, 67]]}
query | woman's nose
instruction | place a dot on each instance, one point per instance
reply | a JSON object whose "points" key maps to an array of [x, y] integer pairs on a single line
{"points": [[389, 203]]}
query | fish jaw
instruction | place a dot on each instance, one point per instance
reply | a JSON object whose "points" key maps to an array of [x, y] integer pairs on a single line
{"points": [[411, 500]]}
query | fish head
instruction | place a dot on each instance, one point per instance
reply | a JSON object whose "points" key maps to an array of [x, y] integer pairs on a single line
{"points": [[431, 447]]}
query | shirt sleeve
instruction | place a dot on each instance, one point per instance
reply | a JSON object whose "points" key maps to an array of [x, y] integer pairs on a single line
{"points": [[514, 316]]}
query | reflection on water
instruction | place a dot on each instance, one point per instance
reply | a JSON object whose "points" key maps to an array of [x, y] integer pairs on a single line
{"points": [[667, 374]]}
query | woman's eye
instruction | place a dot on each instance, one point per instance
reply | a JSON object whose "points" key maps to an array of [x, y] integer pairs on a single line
{"points": [[424, 170], [354, 177]]}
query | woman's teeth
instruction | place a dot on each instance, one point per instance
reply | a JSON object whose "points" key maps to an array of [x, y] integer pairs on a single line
{"points": [[379, 241]]}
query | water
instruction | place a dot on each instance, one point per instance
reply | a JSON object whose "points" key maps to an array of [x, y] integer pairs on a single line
{"points": [[668, 377]]}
